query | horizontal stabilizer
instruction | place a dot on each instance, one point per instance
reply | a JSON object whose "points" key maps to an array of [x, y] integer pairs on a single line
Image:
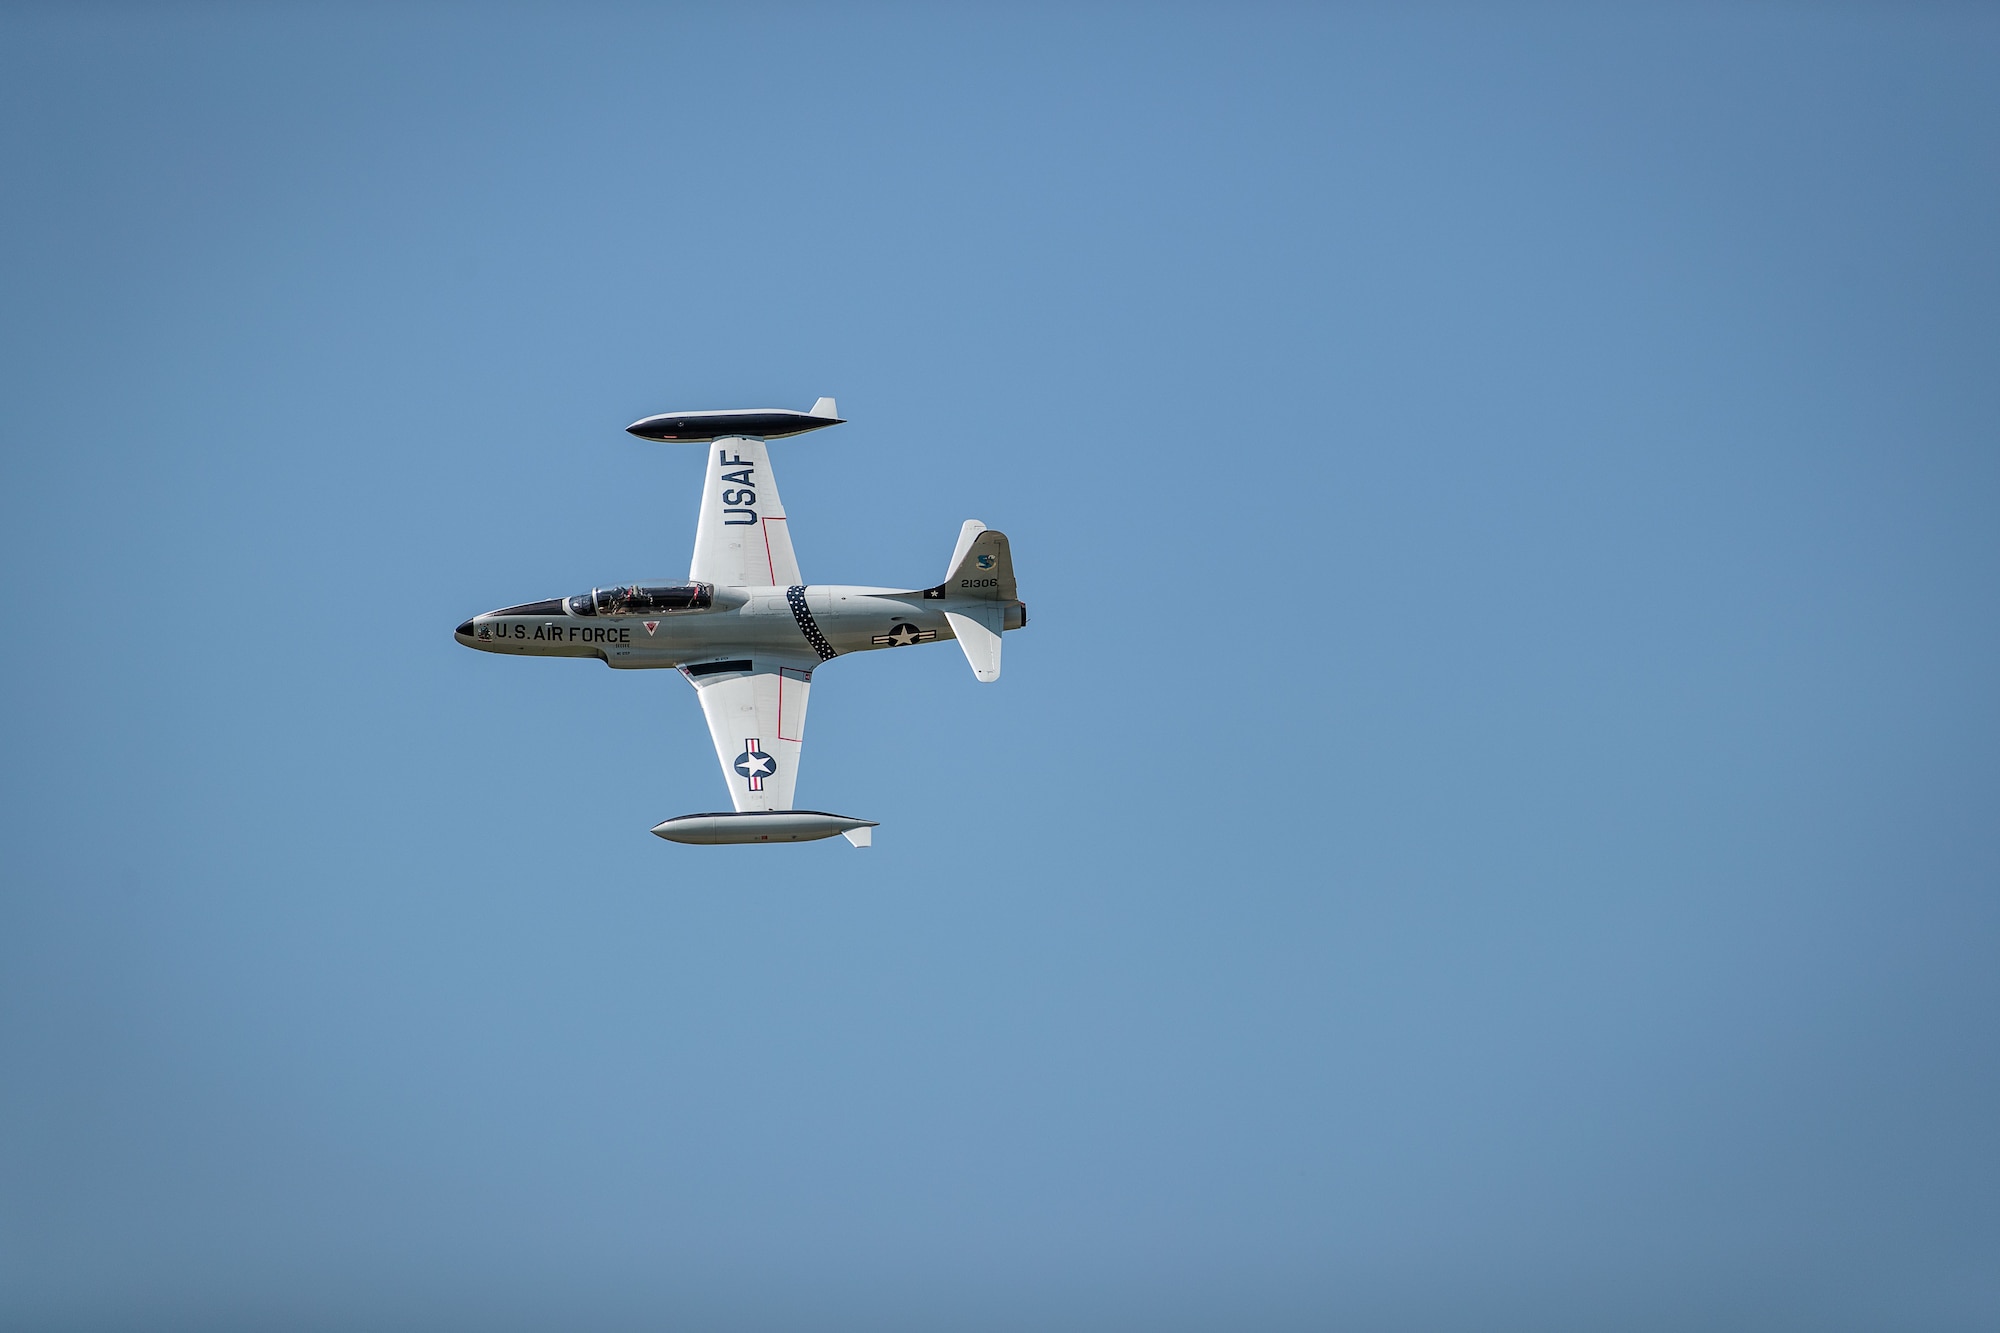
{"points": [[763, 826], [977, 626]]}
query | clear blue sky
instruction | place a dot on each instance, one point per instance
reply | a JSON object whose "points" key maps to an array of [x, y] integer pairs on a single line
{"points": [[1492, 827]]}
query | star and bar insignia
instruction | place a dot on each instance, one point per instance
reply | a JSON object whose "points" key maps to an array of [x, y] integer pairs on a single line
{"points": [[754, 764], [900, 636]]}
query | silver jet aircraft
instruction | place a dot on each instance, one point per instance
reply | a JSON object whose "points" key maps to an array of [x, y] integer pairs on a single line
{"points": [[747, 630]]}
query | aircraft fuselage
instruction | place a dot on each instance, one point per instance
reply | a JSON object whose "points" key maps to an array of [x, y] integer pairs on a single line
{"points": [[808, 623]]}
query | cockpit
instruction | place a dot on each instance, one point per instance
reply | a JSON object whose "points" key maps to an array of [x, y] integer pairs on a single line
{"points": [[643, 599]]}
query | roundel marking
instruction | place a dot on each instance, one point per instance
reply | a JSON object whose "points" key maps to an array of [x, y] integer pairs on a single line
{"points": [[754, 765]]}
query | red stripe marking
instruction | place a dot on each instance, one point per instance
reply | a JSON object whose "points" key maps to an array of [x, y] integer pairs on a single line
{"points": [[770, 561]]}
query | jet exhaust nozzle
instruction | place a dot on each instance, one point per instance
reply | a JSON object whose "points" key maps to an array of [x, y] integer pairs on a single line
{"points": [[763, 826]]}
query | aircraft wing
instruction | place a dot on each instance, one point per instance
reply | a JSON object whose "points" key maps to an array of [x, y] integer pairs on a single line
{"points": [[757, 718], [742, 539]]}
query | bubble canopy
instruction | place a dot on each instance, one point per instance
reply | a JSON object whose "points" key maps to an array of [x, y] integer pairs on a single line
{"points": [[637, 599]]}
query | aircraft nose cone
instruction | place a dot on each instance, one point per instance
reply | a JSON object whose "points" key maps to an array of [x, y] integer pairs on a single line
{"points": [[464, 631]]}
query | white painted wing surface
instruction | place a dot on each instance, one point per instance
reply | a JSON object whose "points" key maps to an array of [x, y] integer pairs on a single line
{"points": [[741, 539], [757, 720]]}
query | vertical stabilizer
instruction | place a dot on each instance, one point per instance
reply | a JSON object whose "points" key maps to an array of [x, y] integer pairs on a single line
{"points": [[982, 568], [966, 533]]}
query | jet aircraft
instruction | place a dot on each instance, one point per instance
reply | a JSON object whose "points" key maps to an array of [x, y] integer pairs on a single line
{"points": [[747, 631]]}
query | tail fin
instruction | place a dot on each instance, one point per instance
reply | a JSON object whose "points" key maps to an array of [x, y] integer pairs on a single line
{"points": [[977, 593], [982, 565], [972, 528]]}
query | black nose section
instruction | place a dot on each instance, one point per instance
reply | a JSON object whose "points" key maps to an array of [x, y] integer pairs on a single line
{"points": [[464, 631]]}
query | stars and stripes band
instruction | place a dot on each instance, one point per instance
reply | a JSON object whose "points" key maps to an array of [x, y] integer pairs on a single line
{"points": [[795, 597], [754, 764]]}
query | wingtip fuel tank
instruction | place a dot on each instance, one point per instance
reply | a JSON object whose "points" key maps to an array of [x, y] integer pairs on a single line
{"points": [[764, 423], [763, 826]]}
